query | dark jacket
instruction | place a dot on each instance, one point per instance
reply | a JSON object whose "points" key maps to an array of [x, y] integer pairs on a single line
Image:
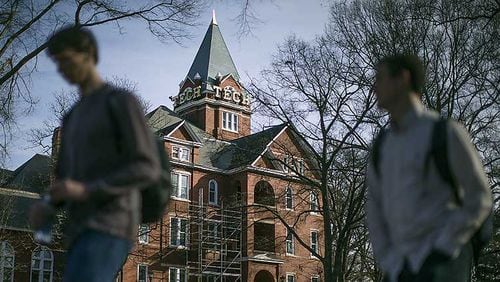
{"points": [[113, 154]]}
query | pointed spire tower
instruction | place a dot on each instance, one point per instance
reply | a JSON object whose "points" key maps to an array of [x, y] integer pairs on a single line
{"points": [[211, 96]]}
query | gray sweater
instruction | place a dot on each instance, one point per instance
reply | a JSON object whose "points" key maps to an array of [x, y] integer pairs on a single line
{"points": [[114, 155], [411, 211]]}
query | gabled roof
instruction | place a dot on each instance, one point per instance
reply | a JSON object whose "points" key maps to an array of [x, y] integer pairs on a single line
{"points": [[15, 208], [213, 57], [21, 190], [249, 148], [215, 153], [169, 129], [183, 124], [244, 151], [162, 118], [306, 146], [33, 175]]}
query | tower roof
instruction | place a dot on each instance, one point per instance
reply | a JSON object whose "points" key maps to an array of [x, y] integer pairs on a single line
{"points": [[213, 56]]}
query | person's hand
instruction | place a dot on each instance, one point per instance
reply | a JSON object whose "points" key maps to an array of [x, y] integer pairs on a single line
{"points": [[38, 214], [68, 189]]}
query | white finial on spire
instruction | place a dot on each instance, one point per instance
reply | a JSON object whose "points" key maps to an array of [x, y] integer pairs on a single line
{"points": [[214, 21]]}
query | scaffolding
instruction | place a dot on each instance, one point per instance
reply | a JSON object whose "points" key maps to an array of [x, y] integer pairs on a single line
{"points": [[215, 243]]}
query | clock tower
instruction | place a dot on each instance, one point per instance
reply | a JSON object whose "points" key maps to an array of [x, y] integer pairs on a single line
{"points": [[211, 96]]}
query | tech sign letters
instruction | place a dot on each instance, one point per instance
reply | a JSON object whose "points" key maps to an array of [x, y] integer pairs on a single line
{"points": [[227, 93]]}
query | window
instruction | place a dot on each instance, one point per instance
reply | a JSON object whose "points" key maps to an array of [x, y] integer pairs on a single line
{"points": [[293, 165], [177, 274], [230, 121], [41, 265], [299, 166], [289, 243], [7, 261], [178, 232], [286, 163], [314, 241], [212, 230], [289, 198], [290, 277], [212, 192], [213, 239], [142, 273], [144, 234], [264, 237], [314, 202], [181, 185], [264, 194], [315, 279], [180, 153]]}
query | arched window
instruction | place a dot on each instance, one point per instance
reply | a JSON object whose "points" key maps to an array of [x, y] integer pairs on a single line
{"points": [[314, 202], [289, 198], [264, 194], [213, 192], [264, 276], [42, 263], [7, 262]]}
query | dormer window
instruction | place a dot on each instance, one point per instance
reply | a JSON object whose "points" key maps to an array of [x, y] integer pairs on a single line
{"points": [[293, 165], [180, 153], [230, 121], [286, 163], [299, 166]]}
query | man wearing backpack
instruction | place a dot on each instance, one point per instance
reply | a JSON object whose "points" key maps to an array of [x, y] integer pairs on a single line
{"points": [[105, 159], [421, 221]]}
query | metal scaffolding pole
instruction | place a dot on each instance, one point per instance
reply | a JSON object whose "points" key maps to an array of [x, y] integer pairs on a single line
{"points": [[216, 241]]}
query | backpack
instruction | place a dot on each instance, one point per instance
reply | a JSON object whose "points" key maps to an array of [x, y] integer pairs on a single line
{"points": [[439, 153], [154, 198]]}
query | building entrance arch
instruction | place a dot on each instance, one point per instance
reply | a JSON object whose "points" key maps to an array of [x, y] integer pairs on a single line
{"points": [[264, 276]]}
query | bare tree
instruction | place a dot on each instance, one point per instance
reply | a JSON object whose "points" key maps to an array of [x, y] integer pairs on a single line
{"points": [[41, 138], [247, 19], [131, 86], [458, 49], [307, 88], [25, 26], [458, 42], [324, 89]]}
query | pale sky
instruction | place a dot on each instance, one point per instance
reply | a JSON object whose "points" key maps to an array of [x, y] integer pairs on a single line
{"points": [[157, 68]]}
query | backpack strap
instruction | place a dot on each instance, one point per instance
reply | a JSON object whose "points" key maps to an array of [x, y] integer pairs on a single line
{"points": [[376, 150], [439, 152], [114, 111]]}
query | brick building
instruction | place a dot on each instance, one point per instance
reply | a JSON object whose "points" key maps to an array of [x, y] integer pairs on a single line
{"points": [[20, 258], [233, 190]]}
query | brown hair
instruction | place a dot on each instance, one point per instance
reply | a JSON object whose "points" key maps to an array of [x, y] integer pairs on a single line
{"points": [[73, 37], [399, 62]]}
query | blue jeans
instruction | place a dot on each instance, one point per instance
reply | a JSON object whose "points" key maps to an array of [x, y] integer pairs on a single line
{"points": [[95, 257]]}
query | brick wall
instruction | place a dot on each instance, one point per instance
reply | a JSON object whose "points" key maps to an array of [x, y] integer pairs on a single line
{"points": [[23, 245]]}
